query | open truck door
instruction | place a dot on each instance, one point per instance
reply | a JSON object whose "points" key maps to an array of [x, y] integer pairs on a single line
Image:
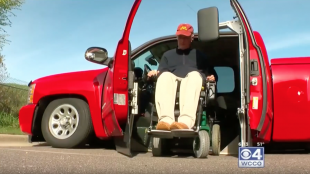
{"points": [[119, 82], [255, 93]]}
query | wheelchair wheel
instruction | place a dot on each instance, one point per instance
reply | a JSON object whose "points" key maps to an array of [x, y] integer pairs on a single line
{"points": [[158, 146], [216, 139], [201, 144]]}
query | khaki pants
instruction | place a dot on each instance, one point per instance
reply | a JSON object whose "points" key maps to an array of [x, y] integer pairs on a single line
{"points": [[188, 97]]}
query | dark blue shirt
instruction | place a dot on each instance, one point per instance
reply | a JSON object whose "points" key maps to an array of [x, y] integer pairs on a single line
{"points": [[181, 62]]}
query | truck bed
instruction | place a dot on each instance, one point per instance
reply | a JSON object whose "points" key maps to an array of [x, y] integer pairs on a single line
{"points": [[290, 60], [291, 99]]}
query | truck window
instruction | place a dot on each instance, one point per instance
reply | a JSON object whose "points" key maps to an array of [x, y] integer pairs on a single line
{"points": [[226, 79], [140, 61]]}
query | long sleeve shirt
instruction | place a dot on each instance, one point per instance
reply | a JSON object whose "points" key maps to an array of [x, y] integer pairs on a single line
{"points": [[181, 62]]}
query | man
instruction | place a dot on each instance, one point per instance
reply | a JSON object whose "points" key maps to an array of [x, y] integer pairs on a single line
{"points": [[190, 67]]}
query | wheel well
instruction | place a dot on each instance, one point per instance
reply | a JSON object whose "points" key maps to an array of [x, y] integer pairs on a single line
{"points": [[42, 104]]}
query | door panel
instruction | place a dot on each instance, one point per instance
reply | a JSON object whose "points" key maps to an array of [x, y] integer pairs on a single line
{"points": [[267, 127], [115, 99], [257, 107]]}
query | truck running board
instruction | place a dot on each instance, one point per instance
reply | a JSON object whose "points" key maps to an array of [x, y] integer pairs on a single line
{"points": [[135, 138]]}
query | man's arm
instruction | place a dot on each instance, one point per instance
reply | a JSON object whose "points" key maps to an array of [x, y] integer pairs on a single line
{"points": [[163, 65], [208, 69], [211, 71]]}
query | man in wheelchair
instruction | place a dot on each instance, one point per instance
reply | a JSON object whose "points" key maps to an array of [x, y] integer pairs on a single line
{"points": [[187, 69]]}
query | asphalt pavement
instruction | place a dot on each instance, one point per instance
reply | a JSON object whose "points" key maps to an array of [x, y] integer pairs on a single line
{"points": [[44, 159]]}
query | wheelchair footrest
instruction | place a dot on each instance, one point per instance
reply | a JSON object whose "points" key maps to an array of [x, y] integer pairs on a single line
{"points": [[180, 133], [184, 133], [160, 134]]}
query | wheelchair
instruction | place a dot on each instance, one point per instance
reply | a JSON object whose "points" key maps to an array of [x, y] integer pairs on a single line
{"points": [[204, 134]]}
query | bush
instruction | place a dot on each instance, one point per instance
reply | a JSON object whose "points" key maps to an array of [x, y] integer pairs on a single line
{"points": [[12, 98], [8, 120]]}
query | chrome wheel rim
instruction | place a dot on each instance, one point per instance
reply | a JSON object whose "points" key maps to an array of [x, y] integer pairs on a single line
{"points": [[63, 121]]}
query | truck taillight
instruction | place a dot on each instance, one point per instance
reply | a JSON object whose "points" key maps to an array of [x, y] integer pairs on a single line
{"points": [[30, 93]]}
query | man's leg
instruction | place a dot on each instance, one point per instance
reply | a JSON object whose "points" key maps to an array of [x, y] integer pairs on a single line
{"points": [[189, 96], [165, 100]]}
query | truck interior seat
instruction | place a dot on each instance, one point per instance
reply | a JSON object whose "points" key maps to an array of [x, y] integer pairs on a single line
{"points": [[221, 102], [227, 105], [138, 72]]}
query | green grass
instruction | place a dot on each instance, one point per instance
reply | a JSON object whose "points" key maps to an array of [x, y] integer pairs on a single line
{"points": [[9, 124], [11, 130]]}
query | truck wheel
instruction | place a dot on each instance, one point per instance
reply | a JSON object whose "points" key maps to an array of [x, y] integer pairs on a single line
{"points": [[66, 123], [216, 139]]}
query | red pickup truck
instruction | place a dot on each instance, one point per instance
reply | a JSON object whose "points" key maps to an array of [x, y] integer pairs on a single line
{"points": [[265, 103]]}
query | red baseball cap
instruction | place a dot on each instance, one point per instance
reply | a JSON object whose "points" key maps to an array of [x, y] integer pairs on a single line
{"points": [[185, 29]]}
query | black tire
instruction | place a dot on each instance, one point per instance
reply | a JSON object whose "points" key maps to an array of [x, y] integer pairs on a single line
{"points": [[158, 146], [82, 131], [201, 145], [216, 139]]}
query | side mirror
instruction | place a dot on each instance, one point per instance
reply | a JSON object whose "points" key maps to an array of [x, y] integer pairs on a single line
{"points": [[151, 61], [208, 24], [96, 55]]}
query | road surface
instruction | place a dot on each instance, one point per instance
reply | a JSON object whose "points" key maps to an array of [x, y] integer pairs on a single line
{"points": [[44, 159]]}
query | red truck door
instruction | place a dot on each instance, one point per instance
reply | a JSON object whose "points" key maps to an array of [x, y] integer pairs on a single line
{"points": [[115, 95], [257, 93]]}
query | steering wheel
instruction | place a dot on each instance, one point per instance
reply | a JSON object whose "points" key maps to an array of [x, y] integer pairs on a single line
{"points": [[147, 69]]}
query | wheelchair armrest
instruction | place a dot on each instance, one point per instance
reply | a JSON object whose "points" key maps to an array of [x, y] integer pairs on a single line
{"points": [[210, 90]]}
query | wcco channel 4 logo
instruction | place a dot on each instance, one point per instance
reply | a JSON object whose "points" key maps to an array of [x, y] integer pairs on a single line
{"points": [[251, 157]]}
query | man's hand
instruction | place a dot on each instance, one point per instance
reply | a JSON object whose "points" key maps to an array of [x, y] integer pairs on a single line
{"points": [[211, 78], [152, 73]]}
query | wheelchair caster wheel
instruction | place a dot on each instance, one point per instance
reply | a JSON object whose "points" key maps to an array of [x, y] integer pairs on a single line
{"points": [[216, 140], [201, 145], [158, 146]]}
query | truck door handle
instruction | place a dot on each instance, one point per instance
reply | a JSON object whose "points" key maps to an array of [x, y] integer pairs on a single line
{"points": [[254, 68]]}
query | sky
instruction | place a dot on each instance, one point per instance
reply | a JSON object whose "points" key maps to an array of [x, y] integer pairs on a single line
{"points": [[50, 36]]}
